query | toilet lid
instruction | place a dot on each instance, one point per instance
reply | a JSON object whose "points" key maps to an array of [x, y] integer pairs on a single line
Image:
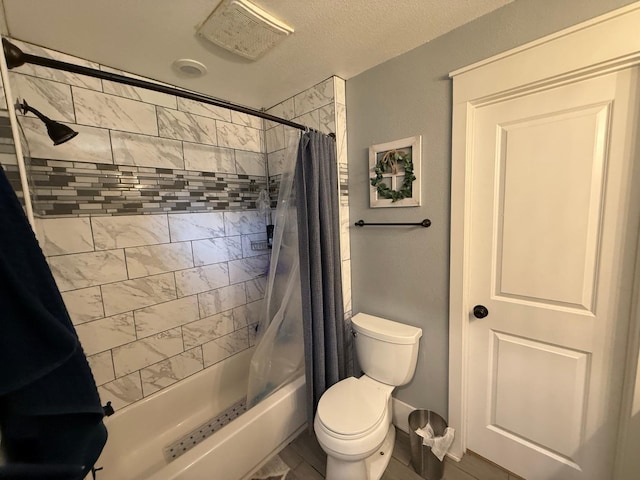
{"points": [[351, 407]]}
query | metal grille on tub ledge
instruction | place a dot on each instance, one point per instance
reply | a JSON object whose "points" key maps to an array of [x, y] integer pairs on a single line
{"points": [[193, 438]]}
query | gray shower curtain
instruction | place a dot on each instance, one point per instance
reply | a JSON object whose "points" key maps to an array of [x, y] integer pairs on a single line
{"points": [[325, 345]]}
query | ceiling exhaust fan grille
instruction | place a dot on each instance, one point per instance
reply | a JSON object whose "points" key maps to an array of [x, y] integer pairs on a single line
{"points": [[243, 28]]}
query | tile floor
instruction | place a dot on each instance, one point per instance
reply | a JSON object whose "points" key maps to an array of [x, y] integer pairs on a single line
{"points": [[308, 462]]}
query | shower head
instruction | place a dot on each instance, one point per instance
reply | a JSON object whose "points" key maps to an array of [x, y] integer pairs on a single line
{"points": [[58, 132]]}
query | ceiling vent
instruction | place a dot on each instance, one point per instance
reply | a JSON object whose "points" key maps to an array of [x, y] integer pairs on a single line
{"points": [[243, 28]]}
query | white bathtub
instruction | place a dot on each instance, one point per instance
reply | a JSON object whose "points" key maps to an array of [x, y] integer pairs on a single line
{"points": [[139, 433]]}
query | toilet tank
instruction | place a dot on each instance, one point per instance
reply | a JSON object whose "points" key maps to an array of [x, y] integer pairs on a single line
{"points": [[387, 351]]}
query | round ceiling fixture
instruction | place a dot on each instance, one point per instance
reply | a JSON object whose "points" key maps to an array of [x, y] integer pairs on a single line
{"points": [[187, 67]]}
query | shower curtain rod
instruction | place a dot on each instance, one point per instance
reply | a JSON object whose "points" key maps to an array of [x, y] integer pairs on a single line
{"points": [[16, 57]]}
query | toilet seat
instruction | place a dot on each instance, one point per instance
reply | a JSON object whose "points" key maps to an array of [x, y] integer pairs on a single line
{"points": [[352, 408]]}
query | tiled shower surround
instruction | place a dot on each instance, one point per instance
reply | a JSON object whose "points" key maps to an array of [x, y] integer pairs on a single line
{"points": [[148, 218], [156, 298]]}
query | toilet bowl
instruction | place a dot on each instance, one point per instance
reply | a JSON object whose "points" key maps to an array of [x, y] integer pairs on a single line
{"points": [[351, 424], [353, 420]]}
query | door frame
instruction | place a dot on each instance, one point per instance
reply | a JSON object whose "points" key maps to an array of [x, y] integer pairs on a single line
{"points": [[564, 57]]}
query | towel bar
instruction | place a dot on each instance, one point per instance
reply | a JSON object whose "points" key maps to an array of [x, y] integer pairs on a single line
{"points": [[424, 223]]}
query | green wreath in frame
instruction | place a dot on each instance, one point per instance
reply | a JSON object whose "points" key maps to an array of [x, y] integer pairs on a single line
{"points": [[388, 163]]}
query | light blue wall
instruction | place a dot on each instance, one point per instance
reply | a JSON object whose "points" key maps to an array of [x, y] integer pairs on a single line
{"points": [[400, 273]]}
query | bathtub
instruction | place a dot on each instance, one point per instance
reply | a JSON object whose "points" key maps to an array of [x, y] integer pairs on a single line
{"points": [[139, 433]]}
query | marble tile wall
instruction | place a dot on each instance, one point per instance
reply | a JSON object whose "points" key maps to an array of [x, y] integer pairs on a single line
{"points": [[343, 173], [155, 298], [3, 99]]}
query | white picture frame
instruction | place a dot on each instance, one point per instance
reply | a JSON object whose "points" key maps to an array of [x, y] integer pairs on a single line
{"points": [[395, 182]]}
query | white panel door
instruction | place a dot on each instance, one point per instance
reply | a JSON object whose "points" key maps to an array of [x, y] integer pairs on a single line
{"points": [[553, 238]]}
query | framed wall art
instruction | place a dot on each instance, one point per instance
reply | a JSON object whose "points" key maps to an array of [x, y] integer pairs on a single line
{"points": [[394, 173]]}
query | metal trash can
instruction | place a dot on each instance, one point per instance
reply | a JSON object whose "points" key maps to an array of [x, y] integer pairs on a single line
{"points": [[424, 462]]}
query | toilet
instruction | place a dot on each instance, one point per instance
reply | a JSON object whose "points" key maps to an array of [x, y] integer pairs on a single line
{"points": [[353, 420]]}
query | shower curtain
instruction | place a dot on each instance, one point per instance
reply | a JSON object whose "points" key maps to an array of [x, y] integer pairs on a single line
{"points": [[279, 355], [326, 343], [302, 325]]}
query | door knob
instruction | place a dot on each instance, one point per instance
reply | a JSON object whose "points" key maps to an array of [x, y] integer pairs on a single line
{"points": [[480, 311]]}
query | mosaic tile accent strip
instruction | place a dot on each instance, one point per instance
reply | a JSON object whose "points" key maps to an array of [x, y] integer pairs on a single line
{"points": [[8, 155], [204, 431], [73, 188], [13, 175], [5, 128], [274, 190], [343, 175]]}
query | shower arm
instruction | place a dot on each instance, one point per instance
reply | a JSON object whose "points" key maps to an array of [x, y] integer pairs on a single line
{"points": [[16, 57]]}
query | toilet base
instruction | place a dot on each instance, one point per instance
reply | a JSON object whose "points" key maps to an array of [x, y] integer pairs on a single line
{"points": [[370, 468]]}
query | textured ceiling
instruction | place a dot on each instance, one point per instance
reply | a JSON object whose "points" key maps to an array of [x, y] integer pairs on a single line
{"points": [[332, 37]]}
